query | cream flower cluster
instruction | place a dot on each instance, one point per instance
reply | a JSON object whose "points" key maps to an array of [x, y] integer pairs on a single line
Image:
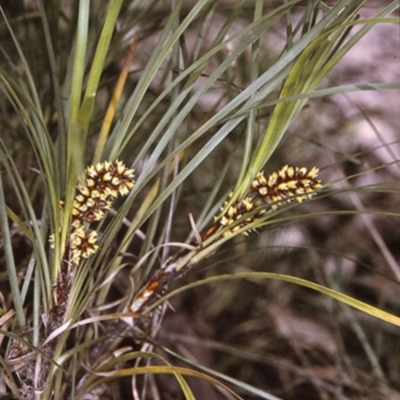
{"points": [[287, 184], [102, 183]]}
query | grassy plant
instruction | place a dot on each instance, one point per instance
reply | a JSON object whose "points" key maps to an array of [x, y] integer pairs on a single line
{"points": [[135, 136]]}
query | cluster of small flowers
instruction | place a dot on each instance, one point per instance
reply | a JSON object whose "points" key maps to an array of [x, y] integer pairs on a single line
{"points": [[102, 184], [285, 185]]}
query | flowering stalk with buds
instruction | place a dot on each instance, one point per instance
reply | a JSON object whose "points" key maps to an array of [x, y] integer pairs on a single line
{"points": [[101, 184], [264, 194]]}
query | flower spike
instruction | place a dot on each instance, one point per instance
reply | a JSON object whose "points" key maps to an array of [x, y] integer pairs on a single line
{"points": [[283, 186], [101, 184]]}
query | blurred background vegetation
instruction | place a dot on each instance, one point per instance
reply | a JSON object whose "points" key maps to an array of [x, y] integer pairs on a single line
{"points": [[198, 96]]}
